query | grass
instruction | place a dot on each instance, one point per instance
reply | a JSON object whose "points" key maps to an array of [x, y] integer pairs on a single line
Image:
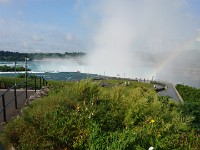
{"points": [[8, 82], [84, 115]]}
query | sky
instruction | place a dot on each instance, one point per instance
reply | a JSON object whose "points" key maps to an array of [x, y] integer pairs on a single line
{"points": [[72, 25], [132, 38], [43, 25]]}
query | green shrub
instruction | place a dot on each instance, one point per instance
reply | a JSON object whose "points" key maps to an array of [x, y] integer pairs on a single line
{"points": [[191, 106], [21, 75], [83, 115], [8, 82]]}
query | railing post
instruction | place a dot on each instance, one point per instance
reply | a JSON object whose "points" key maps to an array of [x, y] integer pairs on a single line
{"points": [[35, 85], [40, 82], [43, 81], [15, 95], [26, 91], [4, 108]]}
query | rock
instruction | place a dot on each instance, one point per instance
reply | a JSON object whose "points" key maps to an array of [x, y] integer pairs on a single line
{"points": [[39, 94], [3, 123], [12, 148], [32, 97]]}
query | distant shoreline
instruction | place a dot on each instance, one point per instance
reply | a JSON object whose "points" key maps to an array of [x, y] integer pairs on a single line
{"points": [[16, 56]]}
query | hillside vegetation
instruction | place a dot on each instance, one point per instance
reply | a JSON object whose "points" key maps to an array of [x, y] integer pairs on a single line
{"points": [[191, 97], [86, 116]]}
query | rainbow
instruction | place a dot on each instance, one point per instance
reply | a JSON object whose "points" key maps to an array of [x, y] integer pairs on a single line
{"points": [[173, 55]]}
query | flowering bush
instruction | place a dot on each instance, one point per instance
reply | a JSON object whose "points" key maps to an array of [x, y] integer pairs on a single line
{"points": [[84, 115]]}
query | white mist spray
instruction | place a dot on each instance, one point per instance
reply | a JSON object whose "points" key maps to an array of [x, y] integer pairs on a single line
{"points": [[134, 36]]}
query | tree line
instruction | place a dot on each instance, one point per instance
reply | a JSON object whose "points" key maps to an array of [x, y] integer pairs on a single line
{"points": [[16, 56], [6, 68]]}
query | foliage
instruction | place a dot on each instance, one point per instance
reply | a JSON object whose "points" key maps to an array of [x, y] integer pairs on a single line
{"points": [[191, 97], [188, 93], [12, 56], [21, 75], [6, 68], [8, 82], [84, 115], [16, 56], [39, 56]]}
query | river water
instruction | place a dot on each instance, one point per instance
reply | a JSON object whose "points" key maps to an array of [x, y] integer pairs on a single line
{"points": [[51, 70], [72, 70]]}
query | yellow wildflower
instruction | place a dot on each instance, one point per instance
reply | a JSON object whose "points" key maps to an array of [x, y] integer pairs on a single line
{"points": [[152, 121]]}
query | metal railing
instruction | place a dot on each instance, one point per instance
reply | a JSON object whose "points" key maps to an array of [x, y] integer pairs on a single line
{"points": [[32, 84]]}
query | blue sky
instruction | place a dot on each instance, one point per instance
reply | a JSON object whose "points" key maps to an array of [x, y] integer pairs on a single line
{"points": [[65, 25], [42, 25]]}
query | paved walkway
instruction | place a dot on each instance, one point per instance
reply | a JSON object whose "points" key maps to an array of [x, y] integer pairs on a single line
{"points": [[10, 109], [171, 92]]}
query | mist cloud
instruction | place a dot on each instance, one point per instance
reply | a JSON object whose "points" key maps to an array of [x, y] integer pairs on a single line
{"points": [[132, 37], [135, 37]]}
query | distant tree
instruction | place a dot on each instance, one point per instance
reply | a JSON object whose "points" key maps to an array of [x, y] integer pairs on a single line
{"points": [[16, 56], [6, 68]]}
